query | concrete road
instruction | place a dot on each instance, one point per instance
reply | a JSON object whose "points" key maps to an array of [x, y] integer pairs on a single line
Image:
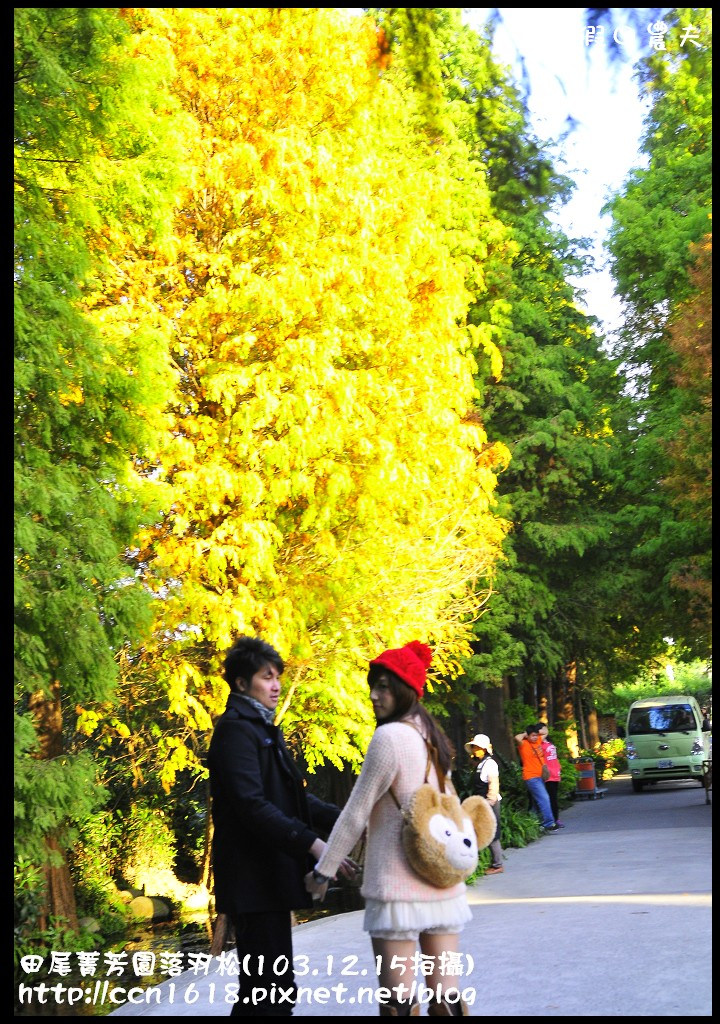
{"points": [[611, 917]]}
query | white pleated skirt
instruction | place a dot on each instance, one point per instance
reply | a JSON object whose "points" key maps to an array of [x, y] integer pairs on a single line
{"points": [[398, 919]]}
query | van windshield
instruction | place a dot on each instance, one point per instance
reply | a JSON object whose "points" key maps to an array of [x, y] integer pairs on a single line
{"points": [[668, 718]]}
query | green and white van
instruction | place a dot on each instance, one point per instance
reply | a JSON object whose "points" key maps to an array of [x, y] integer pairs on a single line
{"points": [[664, 740]]}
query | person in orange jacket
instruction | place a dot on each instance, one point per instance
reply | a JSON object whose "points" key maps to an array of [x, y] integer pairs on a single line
{"points": [[533, 761]]}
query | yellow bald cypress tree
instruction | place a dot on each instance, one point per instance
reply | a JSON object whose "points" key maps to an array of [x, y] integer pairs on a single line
{"points": [[330, 486]]}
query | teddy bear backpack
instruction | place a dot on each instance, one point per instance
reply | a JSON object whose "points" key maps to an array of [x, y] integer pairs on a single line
{"points": [[441, 836]]}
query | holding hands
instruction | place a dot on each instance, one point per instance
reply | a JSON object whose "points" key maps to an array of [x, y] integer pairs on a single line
{"points": [[317, 884]]}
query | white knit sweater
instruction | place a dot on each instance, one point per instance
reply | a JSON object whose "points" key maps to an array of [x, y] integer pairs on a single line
{"points": [[397, 757]]}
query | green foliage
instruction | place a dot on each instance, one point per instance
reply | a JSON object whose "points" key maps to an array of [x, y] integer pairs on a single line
{"points": [[189, 811], [518, 826], [659, 244], [58, 935], [411, 33], [148, 843], [662, 209], [101, 850], [519, 715], [29, 882], [557, 404], [687, 446], [512, 784], [118, 847], [611, 758], [28, 888], [51, 796], [93, 165], [693, 678], [114, 848]]}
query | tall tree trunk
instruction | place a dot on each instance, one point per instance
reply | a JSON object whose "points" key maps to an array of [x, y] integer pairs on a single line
{"points": [[59, 900], [59, 894], [591, 737], [206, 877], [546, 702], [503, 739], [565, 704], [550, 704], [491, 719], [581, 720]]}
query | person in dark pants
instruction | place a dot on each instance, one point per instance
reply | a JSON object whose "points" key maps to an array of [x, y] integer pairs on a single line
{"points": [[552, 783], [486, 782], [266, 830]]}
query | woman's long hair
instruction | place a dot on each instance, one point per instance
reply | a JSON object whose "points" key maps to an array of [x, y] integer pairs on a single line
{"points": [[406, 704]]}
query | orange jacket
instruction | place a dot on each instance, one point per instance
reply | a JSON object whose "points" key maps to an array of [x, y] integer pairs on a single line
{"points": [[532, 757]]}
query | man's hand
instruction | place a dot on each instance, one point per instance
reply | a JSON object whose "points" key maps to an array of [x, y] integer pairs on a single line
{"points": [[316, 889]]}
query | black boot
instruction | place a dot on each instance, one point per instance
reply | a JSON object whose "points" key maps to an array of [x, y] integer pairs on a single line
{"points": [[399, 1008]]}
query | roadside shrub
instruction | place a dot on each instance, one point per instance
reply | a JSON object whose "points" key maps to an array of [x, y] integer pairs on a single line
{"points": [[29, 887], [609, 758], [149, 844]]}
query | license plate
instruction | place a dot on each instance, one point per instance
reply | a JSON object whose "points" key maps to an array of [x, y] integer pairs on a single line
{"points": [[665, 764]]}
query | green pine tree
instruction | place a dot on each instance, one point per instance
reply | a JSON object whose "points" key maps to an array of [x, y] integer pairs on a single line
{"points": [[85, 123]]}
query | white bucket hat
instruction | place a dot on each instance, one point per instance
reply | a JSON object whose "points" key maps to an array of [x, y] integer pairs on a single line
{"points": [[481, 740]]}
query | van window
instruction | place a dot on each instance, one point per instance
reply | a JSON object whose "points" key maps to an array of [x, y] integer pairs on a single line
{"points": [[666, 718]]}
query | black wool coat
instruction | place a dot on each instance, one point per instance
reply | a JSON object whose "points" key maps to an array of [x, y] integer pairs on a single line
{"points": [[264, 819]]}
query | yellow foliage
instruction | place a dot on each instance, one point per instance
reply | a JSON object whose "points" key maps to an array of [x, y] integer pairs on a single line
{"points": [[87, 722], [331, 490], [73, 396]]}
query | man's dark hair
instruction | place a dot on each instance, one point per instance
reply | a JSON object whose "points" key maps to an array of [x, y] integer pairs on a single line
{"points": [[533, 727], [246, 657]]}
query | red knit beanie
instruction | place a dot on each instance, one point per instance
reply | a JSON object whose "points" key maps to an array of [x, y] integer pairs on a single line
{"points": [[410, 663]]}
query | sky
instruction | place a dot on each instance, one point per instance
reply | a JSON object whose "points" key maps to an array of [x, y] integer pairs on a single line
{"points": [[568, 76]]}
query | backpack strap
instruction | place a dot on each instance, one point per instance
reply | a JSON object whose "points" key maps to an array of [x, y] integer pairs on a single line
{"points": [[431, 760]]}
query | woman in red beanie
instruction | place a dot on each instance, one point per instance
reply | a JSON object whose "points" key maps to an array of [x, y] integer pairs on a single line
{"points": [[401, 908]]}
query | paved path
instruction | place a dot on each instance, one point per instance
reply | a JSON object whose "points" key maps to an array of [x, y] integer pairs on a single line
{"points": [[610, 917]]}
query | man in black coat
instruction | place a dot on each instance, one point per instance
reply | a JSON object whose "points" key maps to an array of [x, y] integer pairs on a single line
{"points": [[266, 828]]}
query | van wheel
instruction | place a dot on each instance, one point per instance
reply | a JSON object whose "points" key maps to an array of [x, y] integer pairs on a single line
{"points": [[637, 786]]}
